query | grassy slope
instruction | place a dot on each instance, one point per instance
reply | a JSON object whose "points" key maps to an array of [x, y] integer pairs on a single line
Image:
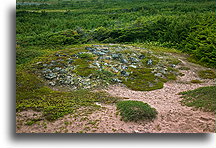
{"points": [[201, 98]]}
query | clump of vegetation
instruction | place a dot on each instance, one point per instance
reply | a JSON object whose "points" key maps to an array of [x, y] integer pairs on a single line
{"points": [[207, 74], [143, 80], [136, 110], [201, 98], [196, 81], [184, 68], [32, 121]]}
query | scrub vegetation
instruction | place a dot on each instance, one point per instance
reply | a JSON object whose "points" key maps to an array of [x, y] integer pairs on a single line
{"points": [[90, 44], [201, 98]]}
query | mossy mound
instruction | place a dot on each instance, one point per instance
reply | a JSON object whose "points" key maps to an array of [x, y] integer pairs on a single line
{"points": [[201, 98], [136, 110], [207, 74], [100, 65]]}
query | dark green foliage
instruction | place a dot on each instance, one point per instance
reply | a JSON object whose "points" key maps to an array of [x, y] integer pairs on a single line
{"points": [[202, 98], [24, 55], [136, 110], [207, 74], [186, 25]]}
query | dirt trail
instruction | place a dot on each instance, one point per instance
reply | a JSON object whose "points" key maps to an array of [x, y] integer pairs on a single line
{"points": [[172, 116]]}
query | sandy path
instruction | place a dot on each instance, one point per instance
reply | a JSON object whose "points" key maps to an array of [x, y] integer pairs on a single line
{"points": [[172, 116]]}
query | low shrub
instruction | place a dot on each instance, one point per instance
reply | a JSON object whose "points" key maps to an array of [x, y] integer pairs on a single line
{"points": [[201, 98], [206, 74], [136, 110]]}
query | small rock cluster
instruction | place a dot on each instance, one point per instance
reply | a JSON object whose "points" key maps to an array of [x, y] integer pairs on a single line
{"points": [[114, 62]]}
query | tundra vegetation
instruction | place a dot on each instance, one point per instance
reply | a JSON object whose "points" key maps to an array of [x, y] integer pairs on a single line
{"points": [[66, 49]]}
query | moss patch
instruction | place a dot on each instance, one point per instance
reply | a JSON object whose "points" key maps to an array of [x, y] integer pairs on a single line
{"points": [[207, 74], [136, 110], [202, 98], [143, 80], [196, 81]]}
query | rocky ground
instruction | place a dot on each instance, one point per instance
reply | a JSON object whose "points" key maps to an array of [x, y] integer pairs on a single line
{"points": [[172, 116]]}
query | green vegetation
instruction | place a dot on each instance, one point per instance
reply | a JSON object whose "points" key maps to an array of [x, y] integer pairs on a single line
{"points": [[136, 110], [185, 25], [48, 27], [196, 81], [207, 74], [201, 98], [31, 93], [142, 80], [184, 68]]}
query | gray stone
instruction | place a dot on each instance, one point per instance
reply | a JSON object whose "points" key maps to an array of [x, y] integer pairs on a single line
{"points": [[70, 61], [96, 64], [99, 53], [158, 75], [115, 69], [124, 61], [52, 83], [149, 62], [116, 80], [90, 49], [115, 56], [39, 63], [96, 45], [134, 60], [45, 65], [50, 76], [62, 71], [124, 67], [124, 73], [46, 71], [56, 69], [133, 66], [173, 65], [107, 58]]}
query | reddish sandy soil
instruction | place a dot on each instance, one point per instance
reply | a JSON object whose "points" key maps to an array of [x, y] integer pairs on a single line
{"points": [[172, 116]]}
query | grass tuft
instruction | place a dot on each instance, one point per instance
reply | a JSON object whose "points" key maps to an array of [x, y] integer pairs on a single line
{"points": [[202, 98], [207, 74], [136, 110]]}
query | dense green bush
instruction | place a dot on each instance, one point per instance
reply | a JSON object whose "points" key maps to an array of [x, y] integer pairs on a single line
{"points": [[186, 25], [136, 110]]}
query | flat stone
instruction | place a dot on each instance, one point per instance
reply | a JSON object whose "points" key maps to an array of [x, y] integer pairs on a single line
{"points": [[115, 69], [133, 66], [149, 62], [62, 71], [96, 64], [56, 69], [50, 76], [116, 80], [124, 73], [115, 56], [46, 71], [158, 75], [124, 61], [134, 60], [124, 67], [90, 49], [108, 58]]}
